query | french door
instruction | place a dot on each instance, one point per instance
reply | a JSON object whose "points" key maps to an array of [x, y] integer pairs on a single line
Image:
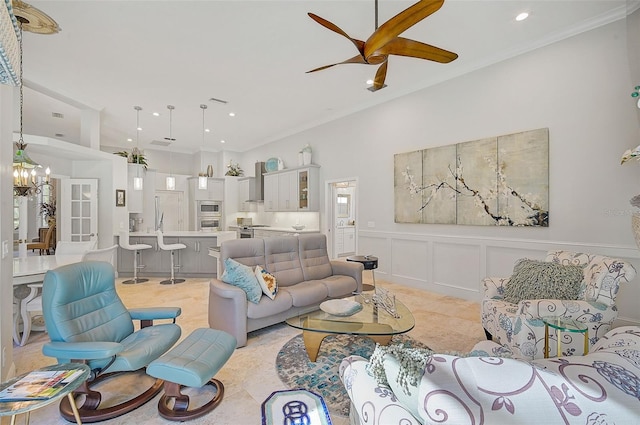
{"points": [[78, 210]]}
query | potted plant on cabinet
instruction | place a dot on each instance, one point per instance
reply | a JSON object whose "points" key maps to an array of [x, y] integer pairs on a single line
{"points": [[135, 157]]}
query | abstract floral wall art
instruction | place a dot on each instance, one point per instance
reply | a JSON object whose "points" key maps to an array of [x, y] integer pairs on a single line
{"points": [[497, 181]]}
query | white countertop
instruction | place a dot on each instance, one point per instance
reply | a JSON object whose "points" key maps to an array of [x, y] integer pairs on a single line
{"points": [[189, 234], [281, 229]]}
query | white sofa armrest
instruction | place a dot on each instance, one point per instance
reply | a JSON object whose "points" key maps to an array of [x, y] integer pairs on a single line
{"points": [[494, 287], [373, 404], [228, 310]]}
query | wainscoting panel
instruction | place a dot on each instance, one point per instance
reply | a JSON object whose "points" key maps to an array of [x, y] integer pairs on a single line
{"points": [[410, 259], [500, 260], [454, 265]]}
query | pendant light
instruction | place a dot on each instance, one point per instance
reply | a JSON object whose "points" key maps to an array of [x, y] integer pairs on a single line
{"points": [[202, 180], [138, 182], [25, 181], [171, 181]]}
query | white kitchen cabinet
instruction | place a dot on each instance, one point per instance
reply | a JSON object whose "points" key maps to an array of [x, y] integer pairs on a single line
{"points": [[213, 192], [345, 240], [271, 192], [292, 190], [246, 194], [287, 191]]}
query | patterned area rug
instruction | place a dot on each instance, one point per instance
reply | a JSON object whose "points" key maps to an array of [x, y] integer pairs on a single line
{"points": [[296, 370]]}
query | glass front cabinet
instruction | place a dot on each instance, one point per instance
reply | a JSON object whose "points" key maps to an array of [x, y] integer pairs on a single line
{"points": [[294, 189]]}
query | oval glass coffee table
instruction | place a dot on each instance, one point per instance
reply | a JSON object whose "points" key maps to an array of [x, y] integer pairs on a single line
{"points": [[373, 322]]}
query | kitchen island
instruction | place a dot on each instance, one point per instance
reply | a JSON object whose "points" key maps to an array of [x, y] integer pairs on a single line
{"points": [[194, 260]]}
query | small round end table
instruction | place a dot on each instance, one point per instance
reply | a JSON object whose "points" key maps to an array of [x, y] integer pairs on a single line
{"points": [[563, 324], [370, 263], [13, 408]]}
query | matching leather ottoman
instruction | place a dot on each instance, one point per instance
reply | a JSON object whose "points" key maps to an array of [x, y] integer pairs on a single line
{"points": [[192, 363]]}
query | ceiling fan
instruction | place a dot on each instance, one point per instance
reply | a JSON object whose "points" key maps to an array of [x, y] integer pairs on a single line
{"points": [[385, 41], [33, 19]]}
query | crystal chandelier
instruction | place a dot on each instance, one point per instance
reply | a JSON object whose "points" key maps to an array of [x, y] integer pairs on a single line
{"points": [[25, 182]]}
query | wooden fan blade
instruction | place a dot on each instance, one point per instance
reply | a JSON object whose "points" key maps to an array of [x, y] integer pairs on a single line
{"points": [[404, 47], [400, 23], [356, 59], [333, 27], [381, 75]]}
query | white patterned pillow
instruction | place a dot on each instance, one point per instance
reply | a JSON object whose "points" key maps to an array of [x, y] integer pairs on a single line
{"points": [[267, 282]]}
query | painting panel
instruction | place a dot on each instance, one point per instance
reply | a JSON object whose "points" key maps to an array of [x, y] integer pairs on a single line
{"points": [[523, 174], [500, 181], [439, 185], [407, 187], [476, 182]]}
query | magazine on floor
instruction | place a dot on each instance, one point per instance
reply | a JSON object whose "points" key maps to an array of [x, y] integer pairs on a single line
{"points": [[39, 385]]}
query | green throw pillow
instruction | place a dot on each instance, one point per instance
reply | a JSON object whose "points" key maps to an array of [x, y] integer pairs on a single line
{"points": [[243, 277], [538, 280]]}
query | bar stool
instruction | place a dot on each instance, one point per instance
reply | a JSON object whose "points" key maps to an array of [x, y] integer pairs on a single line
{"points": [[123, 241], [171, 247]]}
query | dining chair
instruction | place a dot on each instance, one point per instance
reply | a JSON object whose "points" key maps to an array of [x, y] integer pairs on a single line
{"points": [[66, 253], [105, 254], [43, 246]]}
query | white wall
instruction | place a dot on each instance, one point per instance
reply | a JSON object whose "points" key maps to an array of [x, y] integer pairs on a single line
{"points": [[579, 88], [6, 231]]}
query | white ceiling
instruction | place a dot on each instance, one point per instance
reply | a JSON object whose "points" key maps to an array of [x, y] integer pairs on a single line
{"points": [[112, 55]]}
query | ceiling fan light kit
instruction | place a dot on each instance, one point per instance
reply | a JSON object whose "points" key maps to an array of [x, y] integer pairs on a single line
{"points": [[385, 41]]}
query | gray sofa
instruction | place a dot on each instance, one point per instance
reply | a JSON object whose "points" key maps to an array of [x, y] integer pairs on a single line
{"points": [[305, 277]]}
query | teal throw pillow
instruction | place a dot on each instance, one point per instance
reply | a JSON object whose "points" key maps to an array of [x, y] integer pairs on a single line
{"points": [[540, 280], [243, 277]]}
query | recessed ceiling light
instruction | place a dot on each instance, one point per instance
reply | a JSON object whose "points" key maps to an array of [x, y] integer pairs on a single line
{"points": [[156, 114], [369, 81], [232, 114], [129, 140], [139, 129], [522, 16], [223, 141], [206, 130]]}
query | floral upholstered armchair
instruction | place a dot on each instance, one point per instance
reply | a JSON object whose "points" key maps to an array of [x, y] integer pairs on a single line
{"points": [[520, 327]]}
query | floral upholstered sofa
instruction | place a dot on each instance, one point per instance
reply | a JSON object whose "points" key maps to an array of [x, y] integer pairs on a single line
{"points": [[601, 388], [519, 326]]}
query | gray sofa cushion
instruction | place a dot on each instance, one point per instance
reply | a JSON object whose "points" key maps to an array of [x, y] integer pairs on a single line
{"points": [[249, 252], [283, 260], [270, 307], [313, 256], [307, 293], [339, 286]]}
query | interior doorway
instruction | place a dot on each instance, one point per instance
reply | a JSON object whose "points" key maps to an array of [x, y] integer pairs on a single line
{"points": [[342, 229]]}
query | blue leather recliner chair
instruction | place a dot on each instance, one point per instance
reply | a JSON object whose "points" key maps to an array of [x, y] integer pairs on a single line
{"points": [[88, 323]]}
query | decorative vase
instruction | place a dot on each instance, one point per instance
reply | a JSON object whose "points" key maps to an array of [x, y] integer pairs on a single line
{"points": [[209, 170], [306, 155], [635, 225]]}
